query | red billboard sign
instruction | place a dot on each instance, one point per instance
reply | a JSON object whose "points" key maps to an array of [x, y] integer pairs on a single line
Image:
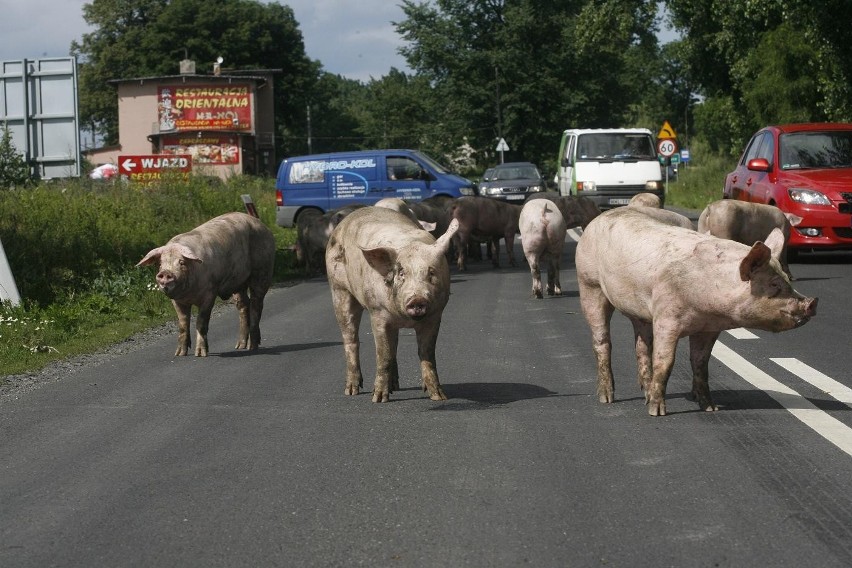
{"points": [[151, 167], [204, 107], [211, 149]]}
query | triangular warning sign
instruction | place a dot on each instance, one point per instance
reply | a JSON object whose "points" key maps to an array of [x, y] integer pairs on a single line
{"points": [[667, 131]]}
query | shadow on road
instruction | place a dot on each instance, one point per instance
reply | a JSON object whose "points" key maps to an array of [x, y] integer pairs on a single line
{"points": [[493, 394]]}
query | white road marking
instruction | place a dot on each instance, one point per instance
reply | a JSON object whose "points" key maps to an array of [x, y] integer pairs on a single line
{"points": [[742, 333], [823, 382], [826, 426], [574, 234]]}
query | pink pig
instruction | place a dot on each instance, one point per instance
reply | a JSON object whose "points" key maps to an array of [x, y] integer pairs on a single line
{"points": [[233, 254], [543, 230], [381, 260], [673, 282]]}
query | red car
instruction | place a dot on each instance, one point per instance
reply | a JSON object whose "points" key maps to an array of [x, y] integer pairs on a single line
{"points": [[804, 169]]}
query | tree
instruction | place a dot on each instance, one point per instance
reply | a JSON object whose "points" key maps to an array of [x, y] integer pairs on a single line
{"points": [[527, 69], [139, 38], [14, 171]]}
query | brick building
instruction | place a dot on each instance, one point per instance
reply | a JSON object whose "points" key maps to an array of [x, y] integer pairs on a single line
{"points": [[224, 121]]}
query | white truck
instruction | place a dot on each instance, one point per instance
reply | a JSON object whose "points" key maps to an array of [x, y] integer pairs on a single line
{"points": [[609, 165]]}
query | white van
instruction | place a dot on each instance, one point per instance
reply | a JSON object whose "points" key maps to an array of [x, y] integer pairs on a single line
{"points": [[609, 165]]}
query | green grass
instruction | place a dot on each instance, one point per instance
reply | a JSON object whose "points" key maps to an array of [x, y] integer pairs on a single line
{"points": [[699, 183], [73, 247]]}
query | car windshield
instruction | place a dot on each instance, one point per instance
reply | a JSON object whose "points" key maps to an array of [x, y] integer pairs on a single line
{"points": [[804, 150], [516, 172], [613, 146]]}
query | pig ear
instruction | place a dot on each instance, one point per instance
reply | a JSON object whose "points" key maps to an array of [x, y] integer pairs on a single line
{"points": [[758, 256], [794, 219], [186, 252], [381, 259], [152, 257], [775, 242], [443, 242]]}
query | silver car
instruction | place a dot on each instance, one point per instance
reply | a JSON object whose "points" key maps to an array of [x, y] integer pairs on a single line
{"points": [[512, 181]]}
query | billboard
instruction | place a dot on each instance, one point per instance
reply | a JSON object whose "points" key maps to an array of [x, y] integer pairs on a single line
{"points": [[38, 104], [204, 107]]}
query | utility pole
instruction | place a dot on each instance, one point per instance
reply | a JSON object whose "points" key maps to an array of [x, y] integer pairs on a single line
{"points": [[497, 91], [310, 150]]}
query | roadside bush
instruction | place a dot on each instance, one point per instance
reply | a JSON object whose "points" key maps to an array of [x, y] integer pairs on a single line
{"points": [[73, 246]]}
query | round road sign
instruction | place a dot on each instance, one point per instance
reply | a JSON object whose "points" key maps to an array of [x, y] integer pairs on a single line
{"points": [[666, 147]]}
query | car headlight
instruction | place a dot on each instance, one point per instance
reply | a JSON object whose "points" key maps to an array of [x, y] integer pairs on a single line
{"points": [[494, 190], [586, 186], [652, 186], [467, 191], [536, 188], [808, 196]]}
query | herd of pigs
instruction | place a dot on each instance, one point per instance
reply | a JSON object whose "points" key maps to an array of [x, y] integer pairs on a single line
{"points": [[393, 259]]}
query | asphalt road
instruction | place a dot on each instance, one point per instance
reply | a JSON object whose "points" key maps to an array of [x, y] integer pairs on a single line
{"points": [[260, 460]]}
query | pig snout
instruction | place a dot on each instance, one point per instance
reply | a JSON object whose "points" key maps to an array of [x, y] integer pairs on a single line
{"points": [[807, 308], [417, 307], [166, 281]]}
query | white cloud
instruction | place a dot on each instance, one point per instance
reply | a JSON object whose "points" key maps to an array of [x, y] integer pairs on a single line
{"points": [[355, 39]]}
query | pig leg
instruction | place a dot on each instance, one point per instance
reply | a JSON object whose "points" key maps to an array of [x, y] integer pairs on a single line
{"points": [[535, 271], [387, 339], [494, 249], [664, 348], [510, 247], [202, 324], [184, 313], [461, 239], [644, 335], [598, 311], [255, 313], [348, 312], [241, 299], [427, 339], [554, 287], [700, 348]]}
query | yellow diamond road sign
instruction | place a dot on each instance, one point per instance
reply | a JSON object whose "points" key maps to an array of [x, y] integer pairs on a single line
{"points": [[667, 131]]}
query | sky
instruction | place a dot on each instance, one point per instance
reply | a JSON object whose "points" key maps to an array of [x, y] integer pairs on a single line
{"points": [[352, 38]]}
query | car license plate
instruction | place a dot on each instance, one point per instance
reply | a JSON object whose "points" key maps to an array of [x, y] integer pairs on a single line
{"points": [[516, 197], [619, 201]]}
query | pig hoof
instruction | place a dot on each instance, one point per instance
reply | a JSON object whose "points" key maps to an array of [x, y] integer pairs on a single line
{"points": [[351, 390], [537, 294], [380, 397], [605, 398], [438, 395], [657, 408]]}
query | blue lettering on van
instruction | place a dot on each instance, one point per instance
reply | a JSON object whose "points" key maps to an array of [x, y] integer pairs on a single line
{"points": [[342, 184], [313, 171]]}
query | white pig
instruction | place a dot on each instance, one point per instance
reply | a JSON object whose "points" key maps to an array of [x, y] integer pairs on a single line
{"points": [[398, 204], [543, 230], [380, 260], [232, 254], [747, 223], [672, 282]]}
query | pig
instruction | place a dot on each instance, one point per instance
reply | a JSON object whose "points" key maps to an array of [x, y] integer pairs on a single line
{"points": [[488, 219], [230, 255], [664, 215], [578, 211], [436, 210], [312, 231], [543, 228], [673, 282], [380, 260], [398, 204], [646, 199], [747, 223]]}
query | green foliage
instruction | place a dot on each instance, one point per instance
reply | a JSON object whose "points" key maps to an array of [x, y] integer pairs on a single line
{"points": [[701, 182], [14, 171], [73, 247]]}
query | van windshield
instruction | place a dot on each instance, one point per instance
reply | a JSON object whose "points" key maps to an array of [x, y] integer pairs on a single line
{"points": [[614, 146]]}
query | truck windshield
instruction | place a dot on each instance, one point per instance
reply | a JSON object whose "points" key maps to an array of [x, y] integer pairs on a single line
{"points": [[612, 146]]}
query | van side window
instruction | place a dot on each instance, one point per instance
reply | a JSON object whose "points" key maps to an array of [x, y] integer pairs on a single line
{"points": [[402, 168], [307, 172]]}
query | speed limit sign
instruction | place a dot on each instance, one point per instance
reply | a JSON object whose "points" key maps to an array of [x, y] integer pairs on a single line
{"points": [[666, 147]]}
